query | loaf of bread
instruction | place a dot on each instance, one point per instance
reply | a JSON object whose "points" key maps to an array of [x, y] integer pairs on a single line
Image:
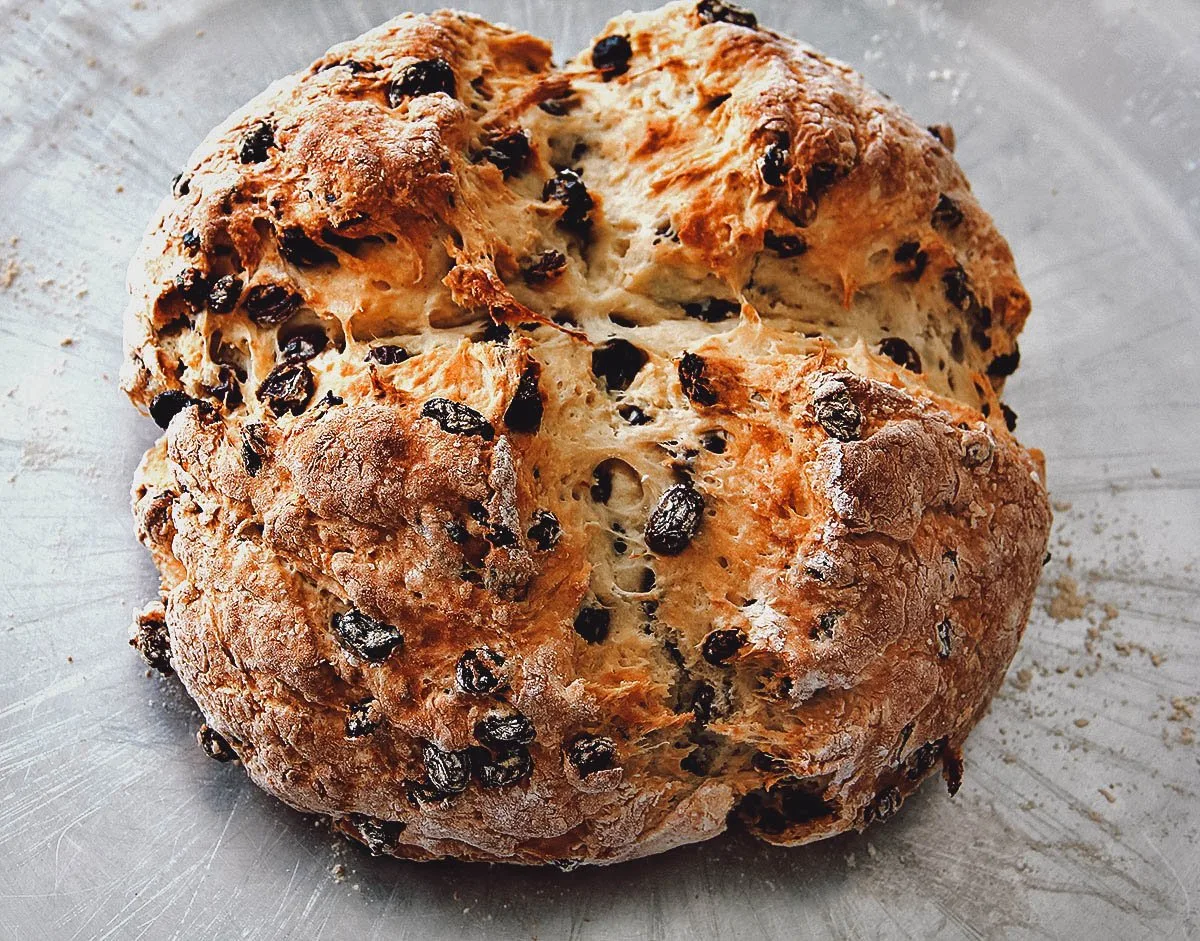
{"points": [[560, 465]]}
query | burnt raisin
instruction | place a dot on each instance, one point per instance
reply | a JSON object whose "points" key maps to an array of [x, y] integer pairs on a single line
{"points": [[302, 345], [298, 249], [633, 415], [387, 354], [449, 772], [774, 164], [256, 142], [785, 246], [505, 728], [836, 412], [504, 768], [691, 378], [166, 405], [152, 641], [545, 531], [524, 412], [674, 523], [912, 255], [214, 744], [363, 719], [457, 419], [713, 441], [712, 309], [592, 623], [900, 353], [545, 268], [366, 637], [192, 286], [946, 214], [944, 637], [825, 624], [591, 753], [617, 362], [611, 56], [885, 804], [477, 671], [1010, 417], [227, 391], [719, 646], [508, 150], [422, 78], [567, 187], [224, 294], [270, 304], [254, 448], [715, 11], [379, 836], [287, 388], [1005, 364]]}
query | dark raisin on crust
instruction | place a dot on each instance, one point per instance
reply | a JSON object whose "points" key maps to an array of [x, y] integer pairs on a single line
{"points": [[477, 671], [193, 287], [505, 728], [900, 353], [884, 805], [774, 164], [719, 646], [457, 419], [524, 412], [287, 388], [946, 214], [254, 448], [785, 246], [945, 635], [912, 255], [1010, 417], [166, 405], [270, 304], [256, 142], [508, 149], [387, 354], [617, 362], [191, 241], [712, 309], [366, 637], [715, 11], [504, 768], [836, 412], [214, 744], [611, 56], [227, 391], [448, 772], [567, 187], [363, 718], [544, 268], [591, 753], [592, 623], [302, 344], [152, 641], [713, 441], [224, 294], [633, 415], [1005, 364], [298, 249], [691, 378], [379, 836], [675, 521], [825, 625], [545, 530], [422, 78]]}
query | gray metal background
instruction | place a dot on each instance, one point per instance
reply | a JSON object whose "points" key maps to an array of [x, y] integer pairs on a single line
{"points": [[1080, 128]]}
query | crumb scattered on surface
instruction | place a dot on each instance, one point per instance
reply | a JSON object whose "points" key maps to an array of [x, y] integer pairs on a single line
{"points": [[1067, 603]]}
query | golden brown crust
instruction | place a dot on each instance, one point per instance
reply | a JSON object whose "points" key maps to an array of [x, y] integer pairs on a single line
{"points": [[794, 545]]}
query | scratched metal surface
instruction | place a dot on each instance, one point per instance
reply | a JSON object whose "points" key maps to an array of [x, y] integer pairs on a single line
{"points": [[1080, 128]]}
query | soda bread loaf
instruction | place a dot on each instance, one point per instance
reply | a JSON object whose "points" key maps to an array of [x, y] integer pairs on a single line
{"points": [[561, 464]]}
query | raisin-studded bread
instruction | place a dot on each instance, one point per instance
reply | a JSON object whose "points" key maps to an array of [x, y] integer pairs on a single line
{"points": [[559, 463]]}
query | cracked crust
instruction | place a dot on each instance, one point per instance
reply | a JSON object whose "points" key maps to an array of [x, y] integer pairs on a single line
{"points": [[779, 305]]}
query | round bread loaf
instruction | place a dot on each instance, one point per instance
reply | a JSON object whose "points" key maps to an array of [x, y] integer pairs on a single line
{"points": [[560, 464]]}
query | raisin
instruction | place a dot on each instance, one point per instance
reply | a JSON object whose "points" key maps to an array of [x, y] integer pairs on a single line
{"points": [[885, 804], [836, 412], [504, 768], [1010, 417], [560, 106], [946, 213], [193, 287], [224, 294], [214, 744], [1005, 364], [478, 512], [785, 246], [617, 362], [952, 769], [593, 623], [712, 309], [191, 241], [298, 249], [152, 641], [366, 637], [900, 353], [496, 332], [944, 638], [958, 289], [179, 185], [379, 836], [601, 484], [719, 646], [501, 537], [227, 391], [329, 399], [254, 447], [524, 412], [912, 255], [287, 388], [426, 77], [922, 759], [713, 441], [476, 671], [256, 142], [774, 164], [633, 415], [304, 344], [591, 753], [387, 354], [674, 523], [457, 419], [825, 624], [447, 771], [715, 11], [166, 405], [363, 719], [508, 150], [270, 304], [567, 187], [505, 728], [691, 378], [545, 531], [611, 56], [545, 268]]}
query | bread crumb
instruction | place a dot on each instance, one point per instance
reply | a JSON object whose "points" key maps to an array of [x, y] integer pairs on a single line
{"points": [[1023, 679], [1082, 723], [1108, 795], [67, 341], [1061, 506], [1068, 604], [9, 273], [338, 870], [1155, 472]]}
